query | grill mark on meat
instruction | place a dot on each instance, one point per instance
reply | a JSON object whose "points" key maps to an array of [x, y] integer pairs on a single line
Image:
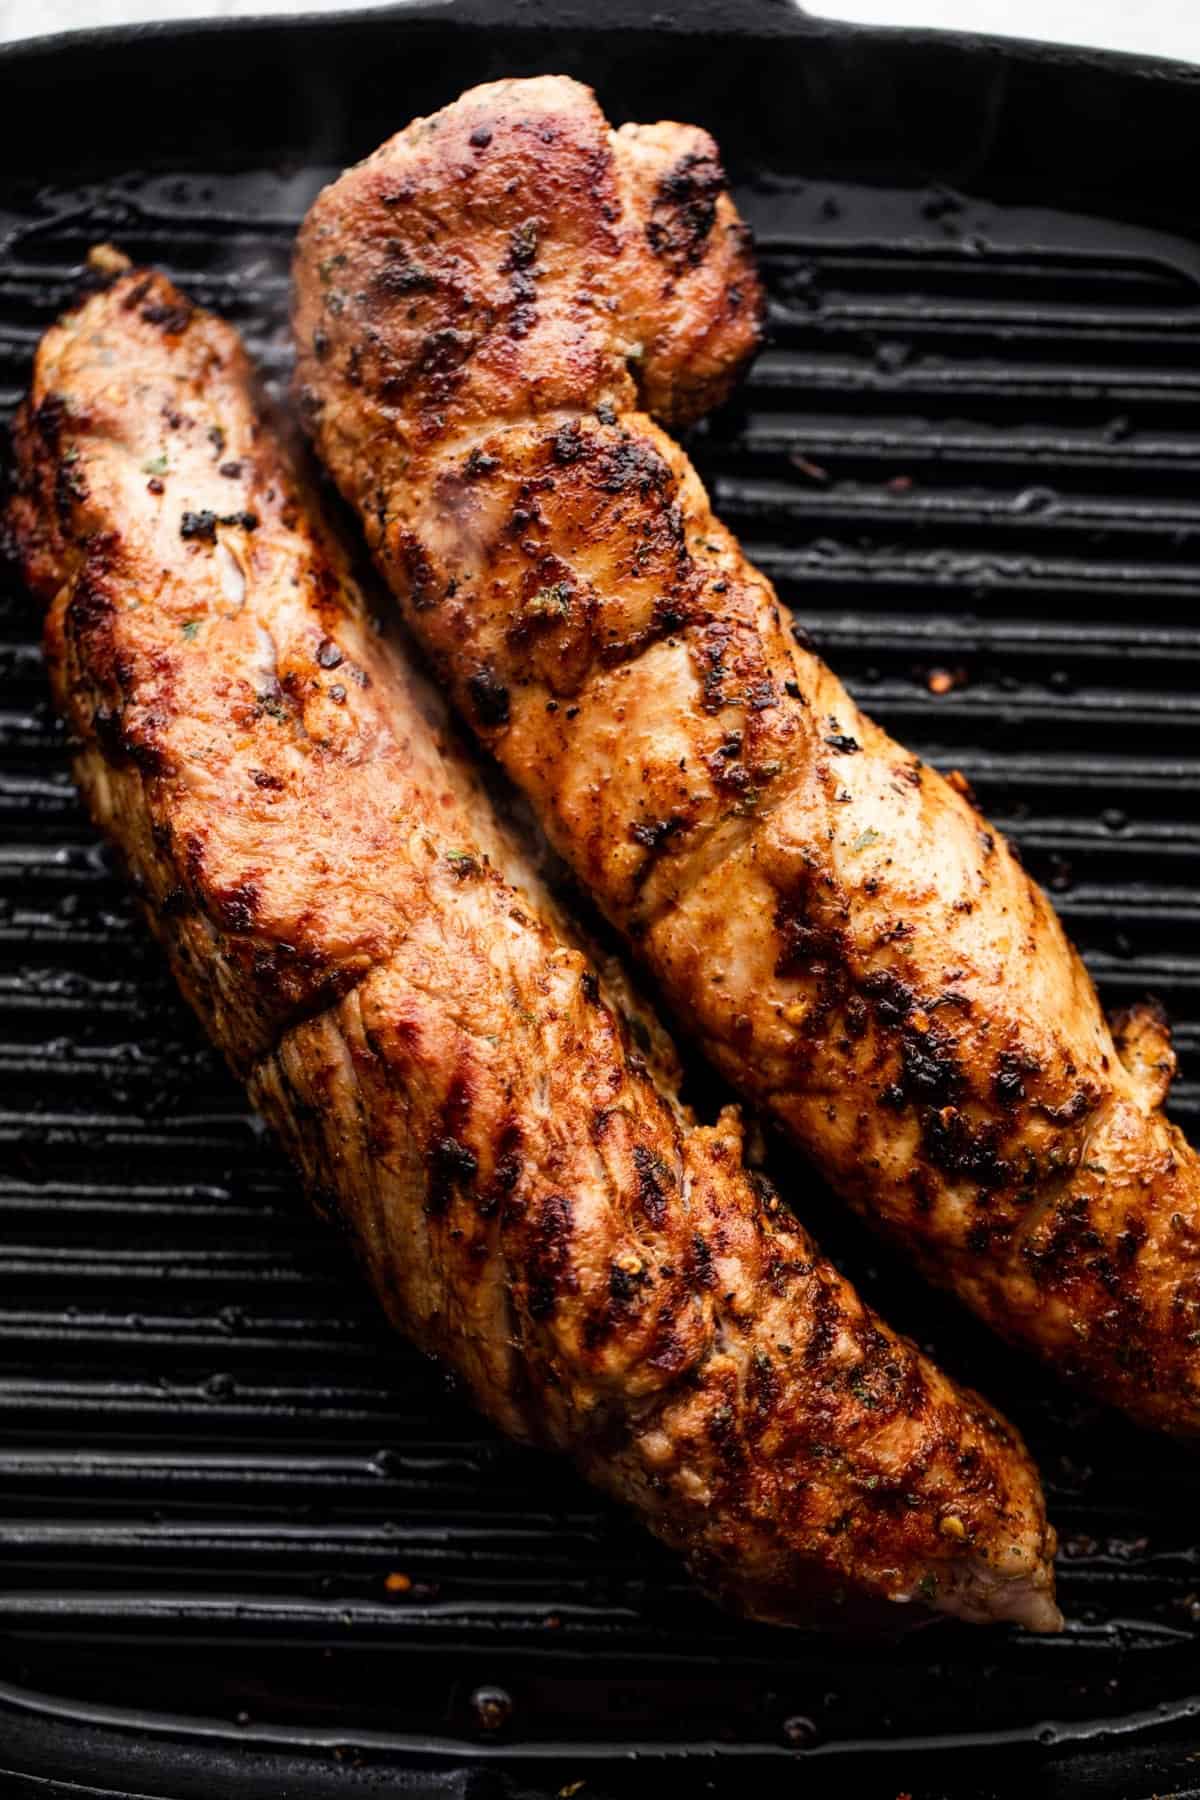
{"points": [[506, 1168], [489, 699], [452, 1165], [655, 1184], [684, 210], [171, 317], [238, 908], [408, 553], [549, 1271], [522, 284]]}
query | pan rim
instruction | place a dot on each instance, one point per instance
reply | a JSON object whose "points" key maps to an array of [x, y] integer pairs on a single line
{"points": [[763, 18]]}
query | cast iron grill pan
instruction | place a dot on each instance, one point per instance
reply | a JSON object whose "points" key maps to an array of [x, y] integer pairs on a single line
{"points": [[249, 1542]]}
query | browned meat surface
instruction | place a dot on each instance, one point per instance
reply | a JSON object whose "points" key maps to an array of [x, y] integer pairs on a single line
{"points": [[375, 959], [481, 308]]}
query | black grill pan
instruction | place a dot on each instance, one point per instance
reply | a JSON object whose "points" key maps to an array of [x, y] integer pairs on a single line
{"points": [[971, 458]]}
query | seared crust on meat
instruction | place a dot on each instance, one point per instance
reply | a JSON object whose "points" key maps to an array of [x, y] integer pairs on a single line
{"points": [[374, 957], [858, 950]]}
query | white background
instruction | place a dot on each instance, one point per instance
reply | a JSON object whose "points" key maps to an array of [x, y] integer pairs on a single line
{"points": [[1155, 27], [1160, 27], [33, 18]]}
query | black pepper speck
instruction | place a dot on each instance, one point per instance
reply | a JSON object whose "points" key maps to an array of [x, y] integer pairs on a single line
{"points": [[201, 525]]}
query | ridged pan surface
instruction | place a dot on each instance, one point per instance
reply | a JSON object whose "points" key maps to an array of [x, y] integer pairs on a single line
{"points": [[247, 1538]]}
